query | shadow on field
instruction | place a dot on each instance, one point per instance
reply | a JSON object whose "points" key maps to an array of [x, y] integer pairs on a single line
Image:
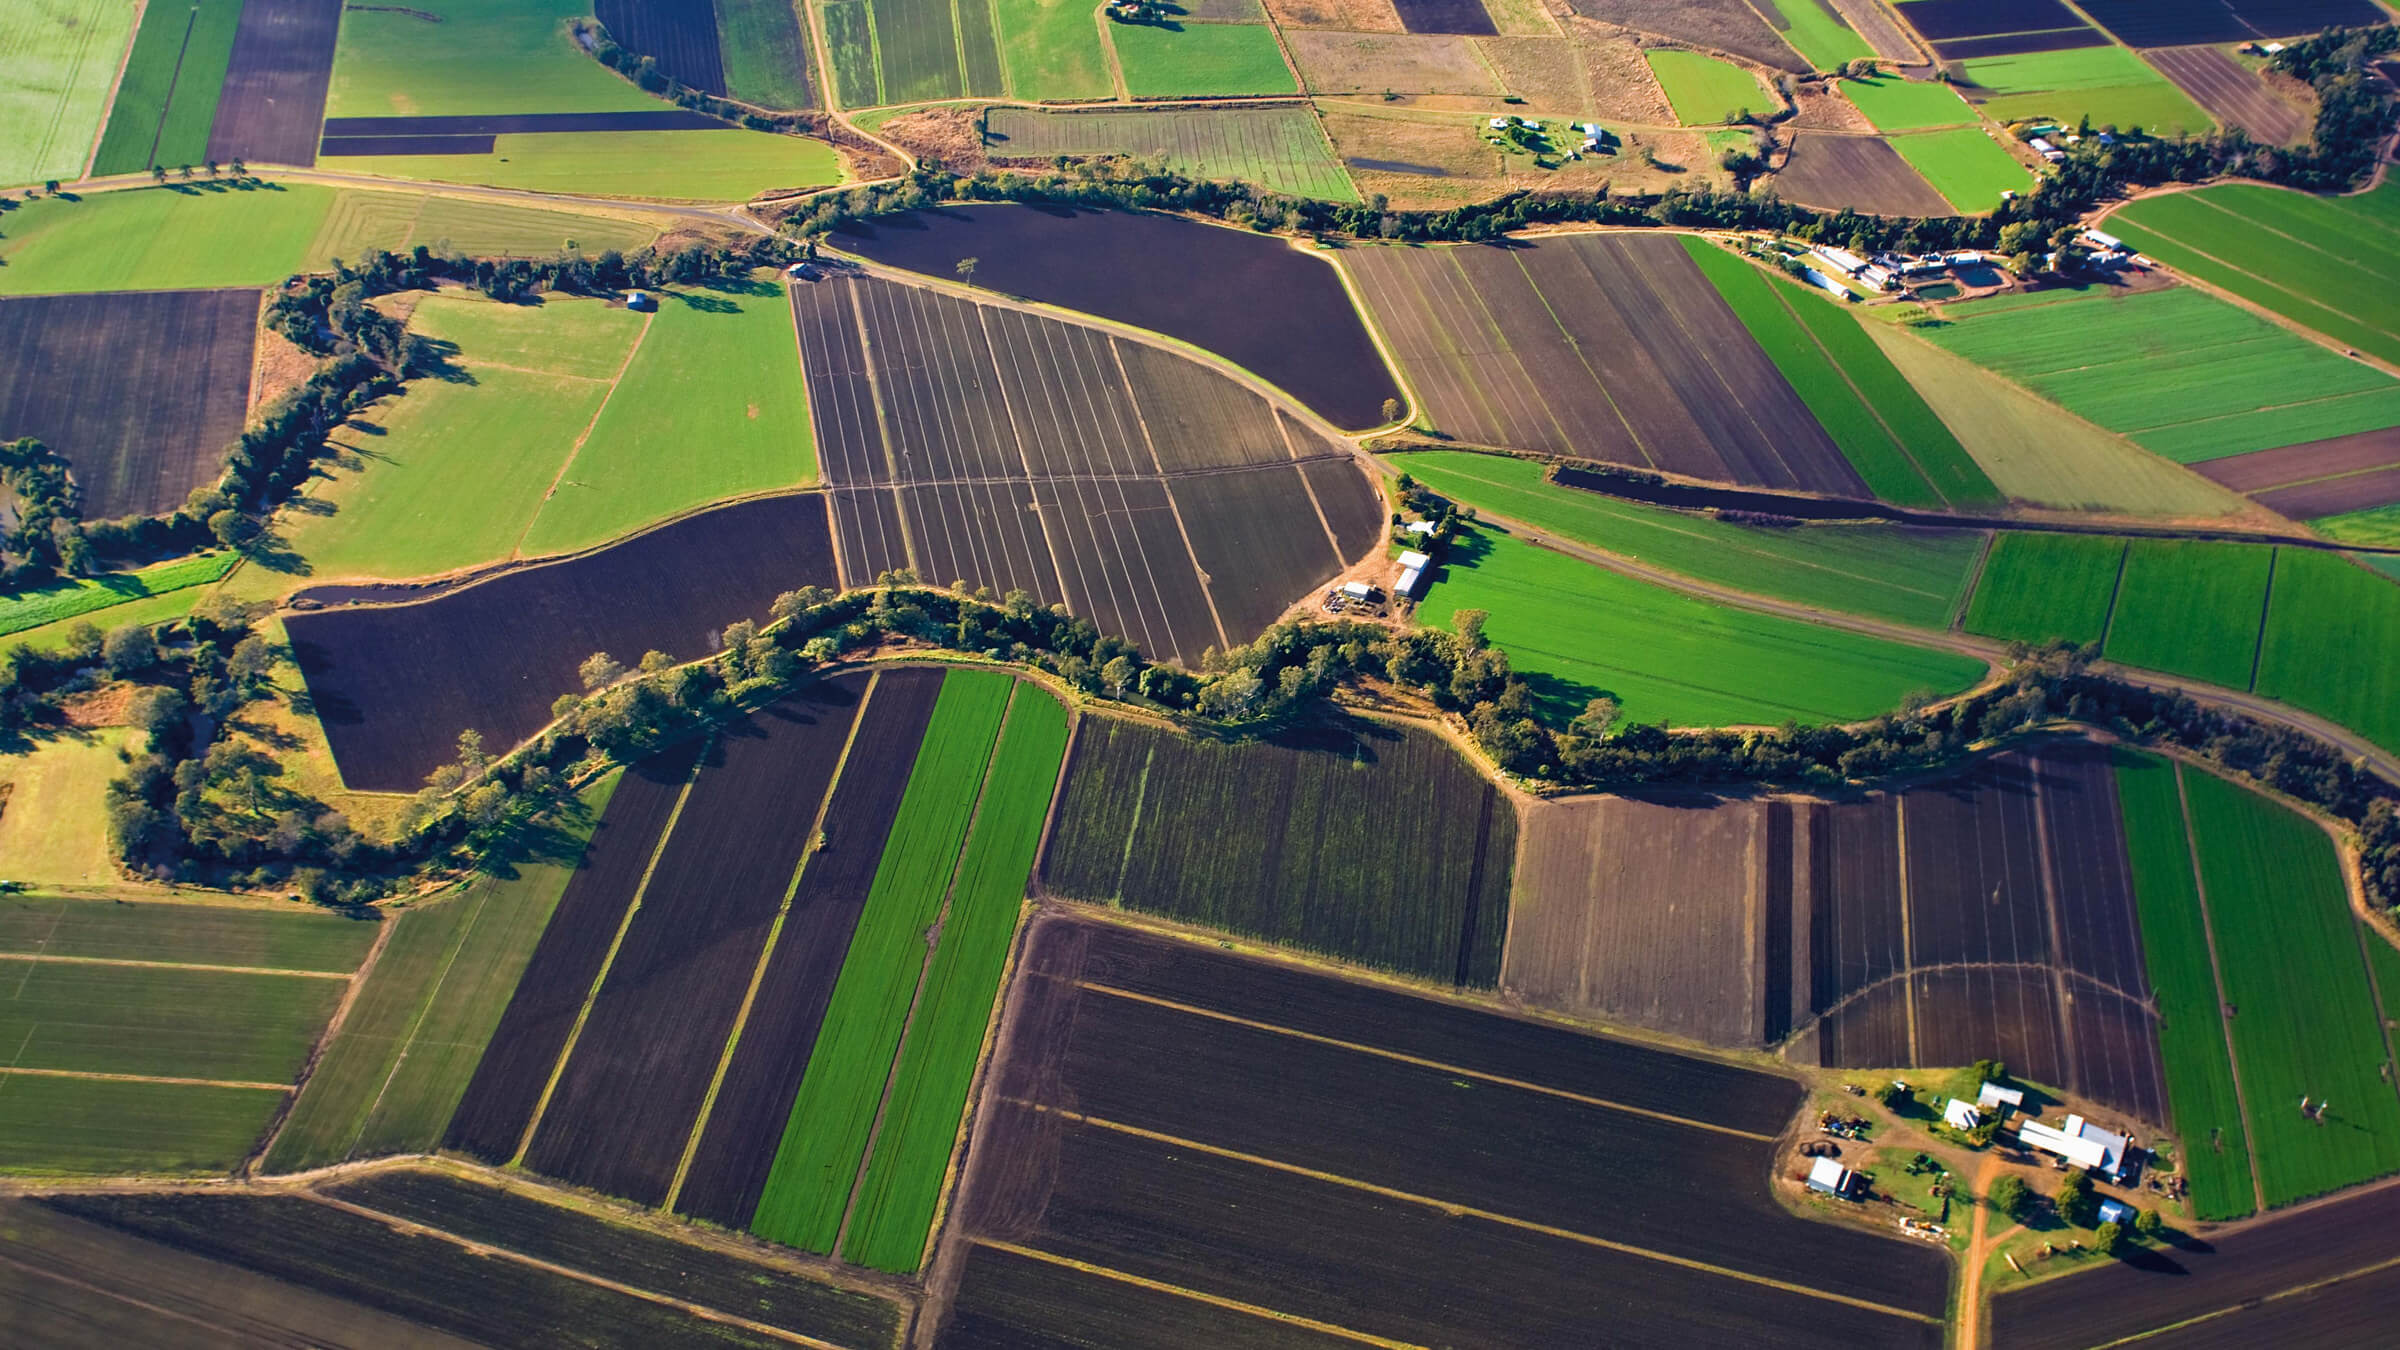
{"points": [[557, 838], [437, 358], [722, 300]]}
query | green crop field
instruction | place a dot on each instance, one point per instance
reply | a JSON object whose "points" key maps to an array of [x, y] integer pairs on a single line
{"points": [[216, 935], [826, 1137], [2383, 962], [163, 1022], [764, 45], [167, 99], [1815, 32], [720, 368], [2332, 627], [61, 57], [1279, 148], [728, 165], [73, 596], [161, 238], [1201, 59], [364, 219], [2038, 587], [2215, 1157], [2377, 525], [2184, 374], [563, 335], [1895, 104], [51, 637], [1909, 576], [851, 45], [2308, 1024], [1577, 631], [1707, 92], [912, 51], [99, 1127], [1965, 165], [1883, 427], [390, 1078], [1051, 50], [912, 1150], [488, 56], [2321, 262], [2191, 607], [2110, 85]]}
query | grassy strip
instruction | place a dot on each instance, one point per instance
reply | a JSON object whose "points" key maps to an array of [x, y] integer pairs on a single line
{"points": [[2037, 587], [912, 1150], [86, 595], [2191, 607], [272, 939], [808, 1189], [2331, 629], [1879, 459], [1934, 453], [2191, 1030], [1908, 576], [2308, 1025]]}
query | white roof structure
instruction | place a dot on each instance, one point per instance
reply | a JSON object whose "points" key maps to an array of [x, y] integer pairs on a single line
{"points": [[1965, 259], [2115, 1211], [1843, 259], [1415, 561], [2099, 240], [1992, 1094], [1359, 589], [1420, 527], [1499, 124], [2040, 146], [1960, 1115], [2080, 1142], [1828, 1176], [1407, 584]]}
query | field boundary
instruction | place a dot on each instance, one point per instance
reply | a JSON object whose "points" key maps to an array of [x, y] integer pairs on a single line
{"points": [[1908, 947], [182, 965], [2216, 970], [94, 1075], [1983, 559]]}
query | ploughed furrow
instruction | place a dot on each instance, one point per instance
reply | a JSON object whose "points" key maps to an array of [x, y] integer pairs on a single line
{"points": [[624, 1108]]}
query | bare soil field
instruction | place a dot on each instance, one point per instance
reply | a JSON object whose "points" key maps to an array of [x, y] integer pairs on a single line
{"points": [[681, 35], [2232, 93], [274, 94], [516, 1067], [1445, 16], [1873, 22], [1939, 20], [395, 683], [142, 392], [1346, 16], [1863, 173], [2018, 44], [2219, 1278], [1404, 63], [737, 1147], [2316, 478], [2176, 23], [2358, 492], [1596, 346], [631, 1092], [1159, 500], [1732, 28], [1315, 1175]]}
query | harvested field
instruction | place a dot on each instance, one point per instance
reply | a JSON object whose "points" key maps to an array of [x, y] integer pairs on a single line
{"points": [[631, 1090], [516, 1067], [1941, 19], [1862, 173], [275, 84], [1718, 27], [1356, 63], [2168, 23], [1604, 346], [1145, 1133], [1086, 261], [142, 393], [2233, 93], [519, 1223], [1267, 839], [1278, 148], [2229, 1279], [678, 34], [1444, 16], [730, 1164], [427, 1280], [2019, 44], [1097, 479], [1346, 16], [2331, 460], [395, 682]]}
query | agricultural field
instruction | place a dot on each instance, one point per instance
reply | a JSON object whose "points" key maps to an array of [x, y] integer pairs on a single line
{"points": [[2147, 23], [2191, 608], [2234, 93], [1590, 346], [1102, 263], [274, 94], [184, 237], [59, 601], [1863, 173], [1816, 31], [362, 219], [682, 39], [1898, 446], [728, 164], [764, 47], [167, 98], [1896, 104], [1145, 822], [1051, 49], [1965, 165], [1578, 631], [1259, 1109], [1201, 59], [2183, 374], [2106, 83], [1281, 149], [1912, 576], [2338, 476], [2323, 263], [2047, 587], [1724, 28], [2328, 622], [496, 56], [62, 58], [1706, 92], [1963, 30], [911, 51]]}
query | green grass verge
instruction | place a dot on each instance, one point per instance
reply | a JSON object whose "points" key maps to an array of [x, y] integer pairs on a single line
{"points": [[720, 369], [912, 1151], [1815, 32], [1201, 59], [272, 939], [2383, 962], [808, 1188], [75, 596], [165, 1023], [764, 44], [2191, 607], [2308, 1024], [493, 56], [86, 1126], [161, 239], [2215, 1157], [1909, 576], [2040, 587], [167, 99], [1051, 50], [1707, 92], [1576, 631], [728, 165], [61, 58], [1965, 165], [1895, 104], [2332, 628]]}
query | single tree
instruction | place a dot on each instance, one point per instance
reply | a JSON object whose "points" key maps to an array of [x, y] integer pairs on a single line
{"points": [[2009, 1196], [966, 269], [129, 650], [2108, 1237], [2074, 1197], [158, 173], [1392, 410], [50, 185], [2149, 1225], [599, 670]]}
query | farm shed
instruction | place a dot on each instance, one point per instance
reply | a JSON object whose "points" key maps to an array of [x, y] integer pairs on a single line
{"points": [[640, 300], [1407, 584], [1992, 1095], [2115, 1211], [2080, 1142], [1960, 1115], [1829, 1176], [1358, 590]]}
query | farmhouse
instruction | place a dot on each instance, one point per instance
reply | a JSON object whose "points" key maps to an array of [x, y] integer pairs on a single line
{"points": [[1830, 1177], [2082, 1143]]}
